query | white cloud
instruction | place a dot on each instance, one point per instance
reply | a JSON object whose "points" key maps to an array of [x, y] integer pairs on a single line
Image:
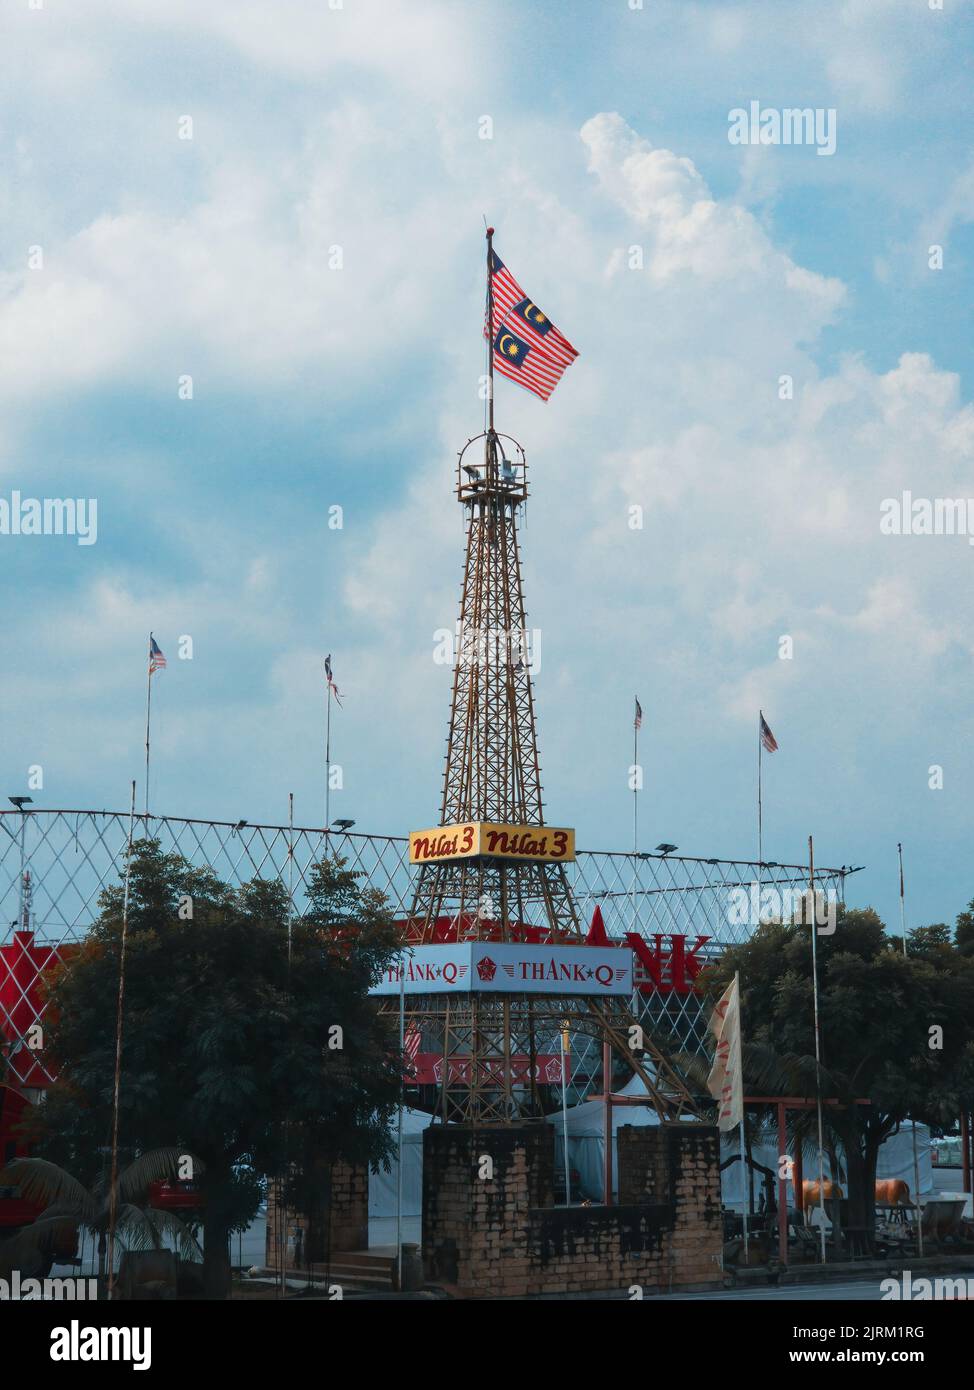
{"points": [[358, 127]]}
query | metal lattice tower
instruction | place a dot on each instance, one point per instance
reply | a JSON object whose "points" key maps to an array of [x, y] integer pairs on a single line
{"points": [[493, 776], [493, 772]]}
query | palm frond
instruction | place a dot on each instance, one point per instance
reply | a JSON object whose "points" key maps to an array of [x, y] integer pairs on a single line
{"points": [[44, 1182]]}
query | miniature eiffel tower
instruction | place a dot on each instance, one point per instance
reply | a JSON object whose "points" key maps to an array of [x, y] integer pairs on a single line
{"points": [[501, 1054]]}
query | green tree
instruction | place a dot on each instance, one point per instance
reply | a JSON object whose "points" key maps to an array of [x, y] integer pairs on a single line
{"points": [[965, 930], [877, 1010], [248, 1040]]}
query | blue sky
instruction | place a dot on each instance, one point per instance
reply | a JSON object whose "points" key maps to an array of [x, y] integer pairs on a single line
{"points": [[312, 387]]}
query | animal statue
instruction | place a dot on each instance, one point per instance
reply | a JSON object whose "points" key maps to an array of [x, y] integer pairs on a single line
{"points": [[810, 1192], [892, 1192]]}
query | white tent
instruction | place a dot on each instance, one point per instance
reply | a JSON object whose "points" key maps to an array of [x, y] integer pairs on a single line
{"points": [[383, 1187], [586, 1136], [895, 1161]]}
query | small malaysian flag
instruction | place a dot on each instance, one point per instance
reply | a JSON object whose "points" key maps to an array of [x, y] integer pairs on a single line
{"points": [[331, 681], [526, 345], [768, 740], [638, 721], [157, 661]]}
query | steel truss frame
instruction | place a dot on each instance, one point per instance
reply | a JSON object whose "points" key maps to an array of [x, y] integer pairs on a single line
{"points": [[72, 855]]}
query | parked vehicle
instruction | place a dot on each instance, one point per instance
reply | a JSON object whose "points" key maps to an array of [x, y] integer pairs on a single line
{"points": [[175, 1195], [945, 1152]]}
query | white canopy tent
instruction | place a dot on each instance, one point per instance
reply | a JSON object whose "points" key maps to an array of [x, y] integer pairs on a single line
{"points": [[586, 1155], [895, 1161]]}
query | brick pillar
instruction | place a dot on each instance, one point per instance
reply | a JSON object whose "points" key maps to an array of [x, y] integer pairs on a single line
{"points": [[349, 1207], [479, 1184], [349, 1224], [679, 1164]]}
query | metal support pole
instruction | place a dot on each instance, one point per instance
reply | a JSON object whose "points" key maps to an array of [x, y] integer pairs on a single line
{"points": [[402, 1087], [818, 1045], [913, 1123], [564, 1109], [116, 1092], [782, 1187], [607, 1121]]}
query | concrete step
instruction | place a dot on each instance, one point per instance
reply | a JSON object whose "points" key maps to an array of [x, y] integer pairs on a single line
{"points": [[363, 1267], [359, 1267]]}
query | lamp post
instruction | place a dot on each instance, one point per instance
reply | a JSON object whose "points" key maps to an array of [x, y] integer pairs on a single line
{"points": [[20, 802]]}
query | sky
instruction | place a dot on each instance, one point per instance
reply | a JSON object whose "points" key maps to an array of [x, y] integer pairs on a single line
{"points": [[285, 204]]}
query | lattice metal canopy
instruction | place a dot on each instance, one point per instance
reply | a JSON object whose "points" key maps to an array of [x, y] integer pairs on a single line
{"points": [[70, 856]]}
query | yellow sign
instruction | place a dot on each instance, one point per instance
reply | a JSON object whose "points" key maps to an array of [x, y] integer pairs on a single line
{"points": [[518, 842]]}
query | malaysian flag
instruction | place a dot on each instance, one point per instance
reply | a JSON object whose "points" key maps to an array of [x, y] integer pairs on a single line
{"points": [[330, 679], [157, 661], [527, 346], [768, 741], [638, 721]]}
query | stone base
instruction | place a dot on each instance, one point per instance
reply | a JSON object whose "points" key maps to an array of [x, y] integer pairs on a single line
{"points": [[490, 1227], [315, 1242]]}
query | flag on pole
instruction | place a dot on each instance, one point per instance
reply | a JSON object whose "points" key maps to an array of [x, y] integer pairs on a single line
{"points": [[768, 740], [725, 1081], [411, 1041], [638, 721], [331, 681], [526, 345], [157, 661]]}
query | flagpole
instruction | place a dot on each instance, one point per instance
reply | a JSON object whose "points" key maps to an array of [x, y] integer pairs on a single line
{"points": [[744, 1172], [635, 781], [490, 333], [327, 765], [818, 1047], [913, 1123], [117, 1085], [148, 711], [637, 715], [760, 826]]}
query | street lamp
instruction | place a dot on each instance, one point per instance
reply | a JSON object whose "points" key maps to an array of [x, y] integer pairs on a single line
{"points": [[20, 802]]}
